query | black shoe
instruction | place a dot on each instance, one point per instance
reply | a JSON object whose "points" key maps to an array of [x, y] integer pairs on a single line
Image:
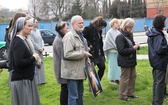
{"points": [[133, 96], [117, 81], [125, 99]]}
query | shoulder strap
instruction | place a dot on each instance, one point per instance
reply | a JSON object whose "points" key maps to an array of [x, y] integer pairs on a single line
{"points": [[128, 40]]}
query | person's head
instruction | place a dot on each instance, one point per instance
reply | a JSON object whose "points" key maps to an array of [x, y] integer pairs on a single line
{"points": [[17, 15], [77, 23], [22, 27], [127, 24], [120, 22], [114, 23], [99, 23], [10, 24], [159, 22], [62, 28], [34, 22]]}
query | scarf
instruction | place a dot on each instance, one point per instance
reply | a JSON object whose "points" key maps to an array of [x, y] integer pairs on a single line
{"points": [[109, 42]]}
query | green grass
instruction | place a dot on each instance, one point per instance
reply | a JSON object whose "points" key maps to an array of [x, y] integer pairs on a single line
{"points": [[143, 50], [49, 93]]}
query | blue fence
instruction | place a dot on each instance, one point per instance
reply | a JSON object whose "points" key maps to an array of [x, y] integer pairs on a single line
{"points": [[139, 26]]}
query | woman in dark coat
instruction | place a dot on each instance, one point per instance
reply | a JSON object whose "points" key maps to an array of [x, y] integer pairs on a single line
{"points": [[127, 59], [93, 34]]}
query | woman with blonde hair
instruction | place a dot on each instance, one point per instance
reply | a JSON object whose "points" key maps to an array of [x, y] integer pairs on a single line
{"points": [[126, 48], [111, 53]]}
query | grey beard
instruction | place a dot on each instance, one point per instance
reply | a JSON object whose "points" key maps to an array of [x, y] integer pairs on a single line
{"points": [[79, 29]]}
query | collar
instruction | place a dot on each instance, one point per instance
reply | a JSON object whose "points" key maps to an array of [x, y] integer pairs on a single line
{"points": [[74, 33], [34, 29], [21, 37]]}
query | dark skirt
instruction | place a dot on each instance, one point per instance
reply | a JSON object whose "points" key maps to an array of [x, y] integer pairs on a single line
{"points": [[24, 92], [97, 60]]}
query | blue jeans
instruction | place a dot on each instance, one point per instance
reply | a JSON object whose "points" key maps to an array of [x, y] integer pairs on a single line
{"points": [[75, 92], [158, 86]]}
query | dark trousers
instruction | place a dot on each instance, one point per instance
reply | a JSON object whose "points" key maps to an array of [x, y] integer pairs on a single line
{"points": [[101, 67], [165, 91], [158, 86], [64, 95]]}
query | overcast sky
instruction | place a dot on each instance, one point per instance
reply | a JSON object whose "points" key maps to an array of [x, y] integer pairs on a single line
{"points": [[14, 4]]}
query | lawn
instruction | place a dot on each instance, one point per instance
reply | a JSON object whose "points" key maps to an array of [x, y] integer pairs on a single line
{"points": [[143, 50], [49, 93]]}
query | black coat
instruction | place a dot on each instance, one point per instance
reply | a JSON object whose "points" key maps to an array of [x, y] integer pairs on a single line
{"points": [[94, 39], [126, 53]]}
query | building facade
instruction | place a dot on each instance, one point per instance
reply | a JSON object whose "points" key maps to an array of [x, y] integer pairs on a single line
{"points": [[155, 7]]}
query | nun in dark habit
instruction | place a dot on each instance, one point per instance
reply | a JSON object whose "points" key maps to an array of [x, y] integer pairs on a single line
{"points": [[22, 63]]}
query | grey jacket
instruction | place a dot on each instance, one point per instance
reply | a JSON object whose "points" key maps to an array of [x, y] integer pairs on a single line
{"points": [[57, 53], [37, 40], [73, 66]]}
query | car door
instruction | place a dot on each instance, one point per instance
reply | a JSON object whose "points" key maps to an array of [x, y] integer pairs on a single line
{"points": [[47, 36]]}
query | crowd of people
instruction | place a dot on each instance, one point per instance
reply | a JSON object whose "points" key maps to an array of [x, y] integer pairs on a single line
{"points": [[77, 47]]}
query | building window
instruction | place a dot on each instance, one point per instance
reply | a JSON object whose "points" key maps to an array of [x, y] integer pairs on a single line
{"points": [[160, 12]]}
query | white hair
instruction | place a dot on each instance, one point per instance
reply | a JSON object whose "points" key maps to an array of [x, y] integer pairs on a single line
{"points": [[74, 18]]}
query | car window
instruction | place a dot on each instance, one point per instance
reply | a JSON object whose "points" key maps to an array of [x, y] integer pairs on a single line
{"points": [[47, 33]]}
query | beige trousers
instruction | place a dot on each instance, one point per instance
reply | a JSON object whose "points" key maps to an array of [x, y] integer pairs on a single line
{"points": [[127, 82]]}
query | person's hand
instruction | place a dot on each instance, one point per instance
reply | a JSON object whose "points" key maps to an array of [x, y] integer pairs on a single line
{"points": [[41, 50], [89, 61], [88, 48], [36, 56], [136, 46], [87, 54]]}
